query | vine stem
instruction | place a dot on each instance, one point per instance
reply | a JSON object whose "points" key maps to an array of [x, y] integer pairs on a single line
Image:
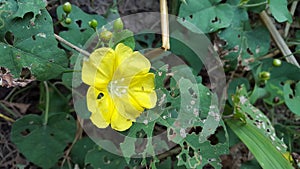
{"points": [[47, 103], [278, 39], [60, 39]]}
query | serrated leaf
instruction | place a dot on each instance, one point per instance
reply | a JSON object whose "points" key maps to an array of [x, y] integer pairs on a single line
{"points": [[79, 31], [35, 140], [280, 11], [25, 6], [205, 15], [31, 46], [292, 99]]}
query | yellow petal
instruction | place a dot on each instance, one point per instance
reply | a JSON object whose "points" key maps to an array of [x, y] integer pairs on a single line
{"points": [[142, 91], [126, 108], [120, 123], [130, 64], [101, 108], [99, 68]]}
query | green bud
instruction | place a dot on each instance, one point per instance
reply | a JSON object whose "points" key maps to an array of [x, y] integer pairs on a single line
{"points": [[277, 62], [264, 75], [93, 23], [68, 20], [105, 35], [67, 7], [118, 25]]}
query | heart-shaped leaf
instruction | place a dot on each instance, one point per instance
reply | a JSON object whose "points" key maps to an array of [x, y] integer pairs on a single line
{"points": [[43, 144]]}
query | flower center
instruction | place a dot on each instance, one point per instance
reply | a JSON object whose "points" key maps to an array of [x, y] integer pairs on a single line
{"points": [[116, 88]]}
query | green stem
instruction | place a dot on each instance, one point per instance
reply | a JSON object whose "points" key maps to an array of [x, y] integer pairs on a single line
{"points": [[47, 103]]}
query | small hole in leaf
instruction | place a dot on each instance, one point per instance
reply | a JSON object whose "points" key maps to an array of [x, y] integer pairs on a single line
{"points": [[249, 51], [282, 83], [82, 30], [216, 19], [9, 37], [106, 160], [79, 22], [51, 134], [25, 132], [33, 37], [100, 95], [249, 117], [191, 152], [276, 100], [45, 19], [165, 105], [239, 35], [291, 96], [183, 19], [25, 73], [3, 70], [213, 140], [191, 16], [191, 91], [268, 130], [51, 60]]}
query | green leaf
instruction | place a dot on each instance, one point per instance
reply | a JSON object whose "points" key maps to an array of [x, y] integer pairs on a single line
{"points": [[205, 15], [279, 75], [29, 45], [280, 11], [79, 31], [99, 158], [26, 6], [43, 144], [80, 150], [257, 133], [244, 41], [259, 145], [292, 98]]}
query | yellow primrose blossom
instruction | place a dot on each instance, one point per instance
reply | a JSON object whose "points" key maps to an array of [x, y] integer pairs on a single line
{"points": [[121, 86]]}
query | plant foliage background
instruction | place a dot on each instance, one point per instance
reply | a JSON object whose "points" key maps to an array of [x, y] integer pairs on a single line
{"points": [[39, 125]]}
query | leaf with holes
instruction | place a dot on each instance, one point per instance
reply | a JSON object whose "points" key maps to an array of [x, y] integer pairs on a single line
{"points": [[99, 158], [206, 15], [280, 11], [292, 97], [26, 6], [36, 140], [243, 41], [257, 132], [79, 31], [28, 45], [80, 150], [255, 117]]}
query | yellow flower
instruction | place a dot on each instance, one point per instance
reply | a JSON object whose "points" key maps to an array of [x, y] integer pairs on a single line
{"points": [[121, 86]]}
